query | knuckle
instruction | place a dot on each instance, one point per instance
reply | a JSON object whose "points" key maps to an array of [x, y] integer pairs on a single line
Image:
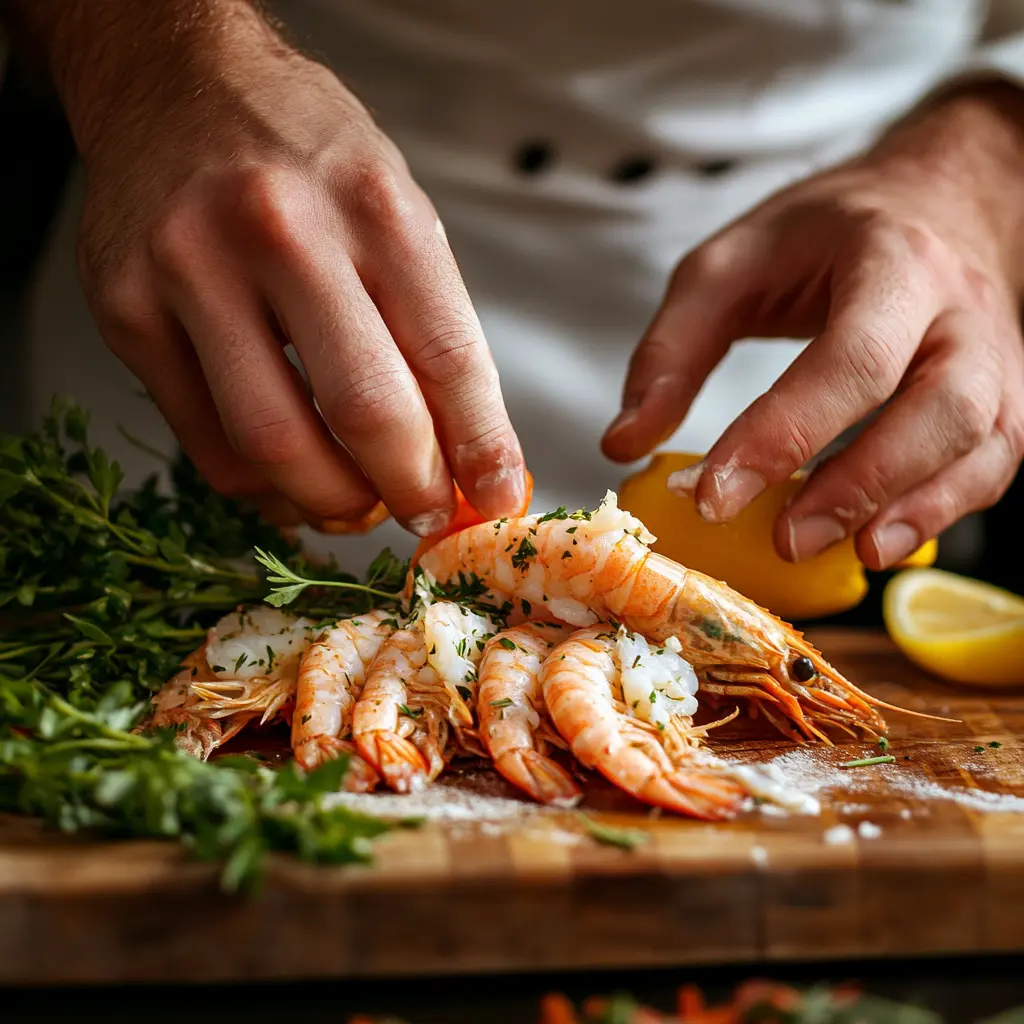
{"points": [[944, 505], [368, 404], [870, 360], [797, 447], [483, 444], [375, 197], [270, 203], [967, 414], [868, 491], [451, 353], [707, 265], [176, 236], [125, 310], [981, 290], [269, 437]]}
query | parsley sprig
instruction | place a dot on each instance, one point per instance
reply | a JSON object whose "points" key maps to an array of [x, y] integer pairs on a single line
{"points": [[101, 595]]}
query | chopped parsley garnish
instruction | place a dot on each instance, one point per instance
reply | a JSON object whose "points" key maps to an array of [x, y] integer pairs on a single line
{"points": [[509, 645], [559, 513], [505, 702], [464, 692], [995, 744], [609, 835], [865, 762], [527, 607], [883, 743], [240, 661], [404, 709], [523, 553]]}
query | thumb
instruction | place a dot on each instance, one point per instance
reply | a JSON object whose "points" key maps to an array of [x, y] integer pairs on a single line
{"points": [[705, 309]]}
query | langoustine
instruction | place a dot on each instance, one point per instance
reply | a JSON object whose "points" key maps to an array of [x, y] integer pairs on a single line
{"points": [[583, 568]]}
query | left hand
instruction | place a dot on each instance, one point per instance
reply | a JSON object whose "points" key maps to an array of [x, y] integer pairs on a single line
{"points": [[906, 269]]}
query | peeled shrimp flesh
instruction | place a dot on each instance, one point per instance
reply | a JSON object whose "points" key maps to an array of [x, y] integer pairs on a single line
{"points": [[512, 716], [330, 679]]}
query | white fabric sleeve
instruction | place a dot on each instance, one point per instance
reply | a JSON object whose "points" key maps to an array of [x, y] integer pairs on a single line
{"points": [[999, 55]]}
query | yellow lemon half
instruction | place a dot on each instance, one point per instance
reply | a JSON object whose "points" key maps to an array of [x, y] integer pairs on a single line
{"points": [[742, 553], [961, 629]]}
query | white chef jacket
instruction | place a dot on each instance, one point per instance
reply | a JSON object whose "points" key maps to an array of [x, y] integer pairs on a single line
{"points": [[576, 149]]}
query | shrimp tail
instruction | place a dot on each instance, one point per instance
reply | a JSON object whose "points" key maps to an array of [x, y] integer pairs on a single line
{"points": [[695, 792], [360, 776], [539, 776], [404, 768]]}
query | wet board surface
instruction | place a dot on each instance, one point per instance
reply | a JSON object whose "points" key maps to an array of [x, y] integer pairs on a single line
{"points": [[938, 869]]}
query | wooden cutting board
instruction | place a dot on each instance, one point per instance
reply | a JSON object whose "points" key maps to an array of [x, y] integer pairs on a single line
{"points": [[534, 893]]}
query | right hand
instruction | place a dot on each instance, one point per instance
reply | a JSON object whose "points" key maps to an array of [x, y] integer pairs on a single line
{"points": [[248, 201]]}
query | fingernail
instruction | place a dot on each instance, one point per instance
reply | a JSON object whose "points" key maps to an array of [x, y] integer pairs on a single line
{"points": [[895, 541], [625, 420], [426, 524], [732, 489], [810, 536], [502, 490], [684, 481]]}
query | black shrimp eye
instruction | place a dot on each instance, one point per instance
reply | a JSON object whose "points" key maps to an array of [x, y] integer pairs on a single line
{"points": [[803, 670]]}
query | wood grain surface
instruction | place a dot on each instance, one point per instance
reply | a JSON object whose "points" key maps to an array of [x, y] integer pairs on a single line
{"points": [[536, 893]]}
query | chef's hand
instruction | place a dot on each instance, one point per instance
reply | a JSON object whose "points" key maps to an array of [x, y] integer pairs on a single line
{"points": [[240, 199], [905, 268]]}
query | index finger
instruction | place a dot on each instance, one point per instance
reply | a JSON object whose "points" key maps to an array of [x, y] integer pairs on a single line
{"points": [[420, 293], [880, 311]]}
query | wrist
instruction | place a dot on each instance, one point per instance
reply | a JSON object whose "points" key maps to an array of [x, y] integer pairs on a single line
{"points": [[115, 62], [963, 157]]}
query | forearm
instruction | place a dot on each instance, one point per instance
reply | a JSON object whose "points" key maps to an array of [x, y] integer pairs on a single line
{"points": [[107, 54], [966, 148]]}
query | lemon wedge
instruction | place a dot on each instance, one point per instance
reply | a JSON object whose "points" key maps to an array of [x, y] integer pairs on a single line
{"points": [[961, 629], [742, 552]]}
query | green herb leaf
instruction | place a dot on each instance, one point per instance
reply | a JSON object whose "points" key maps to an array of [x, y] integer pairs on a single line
{"points": [[864, 762], [624, 838]]}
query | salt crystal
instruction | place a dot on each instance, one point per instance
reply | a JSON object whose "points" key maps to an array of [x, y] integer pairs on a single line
{"points": [[868, 830], [816, 772], [906, 814], [438, 802], [759, 855], [838, 834]]}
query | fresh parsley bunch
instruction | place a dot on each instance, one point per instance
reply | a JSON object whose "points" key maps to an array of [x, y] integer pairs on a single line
{"points": [[101, 595]]}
